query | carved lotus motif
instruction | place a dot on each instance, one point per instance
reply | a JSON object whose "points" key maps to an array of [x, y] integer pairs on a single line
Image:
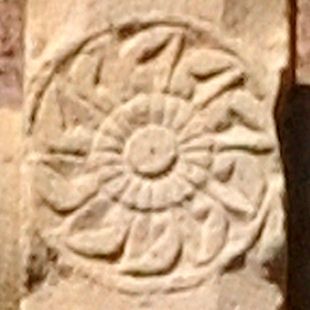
{"points": [[149, 161], [160, 169]]}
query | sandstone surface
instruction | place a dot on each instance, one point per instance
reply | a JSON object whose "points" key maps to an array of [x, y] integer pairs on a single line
{"points": [[152, 177], [10, 151], [303, 42]]}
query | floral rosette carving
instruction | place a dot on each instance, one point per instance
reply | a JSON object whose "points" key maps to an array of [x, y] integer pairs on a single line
{"points": [[152, 149]]}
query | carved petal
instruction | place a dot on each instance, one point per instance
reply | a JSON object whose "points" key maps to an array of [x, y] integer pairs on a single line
{"points": [[153, 245], [251, 180], [216, 115], [243, 236], [272, 239], [204, 230], [213, 236], [63, 195], [234, 107], [206, 92], [249, 111], [85, 75], [182, 84], [191, 172], [65, 164], [100, 230], [75, 141], [77, 109], [154, 51], [48, 119], [241, 138], [199, 66], [146, 45], [201, 205], [84, 70], [190, 230], [205, 63], [223, 167], [231, 198]]}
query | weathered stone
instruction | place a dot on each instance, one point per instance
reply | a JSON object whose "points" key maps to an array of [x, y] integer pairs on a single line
{"points": [[10, 154], [10, 52], [10, 151], [303, 42], [153, 177]]}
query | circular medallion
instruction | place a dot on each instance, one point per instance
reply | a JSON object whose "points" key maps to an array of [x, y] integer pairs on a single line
{"points": [[152, 151]]}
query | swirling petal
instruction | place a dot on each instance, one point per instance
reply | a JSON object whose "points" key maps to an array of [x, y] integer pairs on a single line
{"points": [[105, 142], [190, 231], [206, 92], [213, 236], [243, 171], [193, 173], [108, 173], [116, 186], [249, 111], [223, 167], [123, 123], [129, 196], [66, 165], [272, 239], [203, 159], [159, 194], [153, 245], [137, 111], [207, 63], [196, 128], [99, 230], [83, 70], [114, 130], [243, 235], [183, 115], [146, 45], [201, 205], [179, 188], [231, 198], [61, 193], [73, 141], [199, 143], [240, 138], [171, 107], [107, 158], [157, 109], [182, 84], [144, 196], [203, 238]]}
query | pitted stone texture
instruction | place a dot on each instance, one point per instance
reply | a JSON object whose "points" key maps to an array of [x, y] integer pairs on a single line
{"points": [[10, 52], [303, 42], [10, 151], [152, 162], [10, 154]]}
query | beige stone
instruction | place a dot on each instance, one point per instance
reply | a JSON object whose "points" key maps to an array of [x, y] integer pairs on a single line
{"points": [[302, 42], [10, 151], [10, 155], [10, 52], [152, 177]]}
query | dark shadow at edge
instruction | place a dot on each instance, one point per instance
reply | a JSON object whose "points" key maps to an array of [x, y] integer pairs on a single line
{"points": [[292, 117], [293, 129]]}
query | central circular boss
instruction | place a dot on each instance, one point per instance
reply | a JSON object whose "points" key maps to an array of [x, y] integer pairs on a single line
{"points": [[152, 150], [151, 144]]}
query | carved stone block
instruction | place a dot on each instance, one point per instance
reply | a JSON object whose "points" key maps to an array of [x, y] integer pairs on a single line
{"points": [[153, 175]]}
